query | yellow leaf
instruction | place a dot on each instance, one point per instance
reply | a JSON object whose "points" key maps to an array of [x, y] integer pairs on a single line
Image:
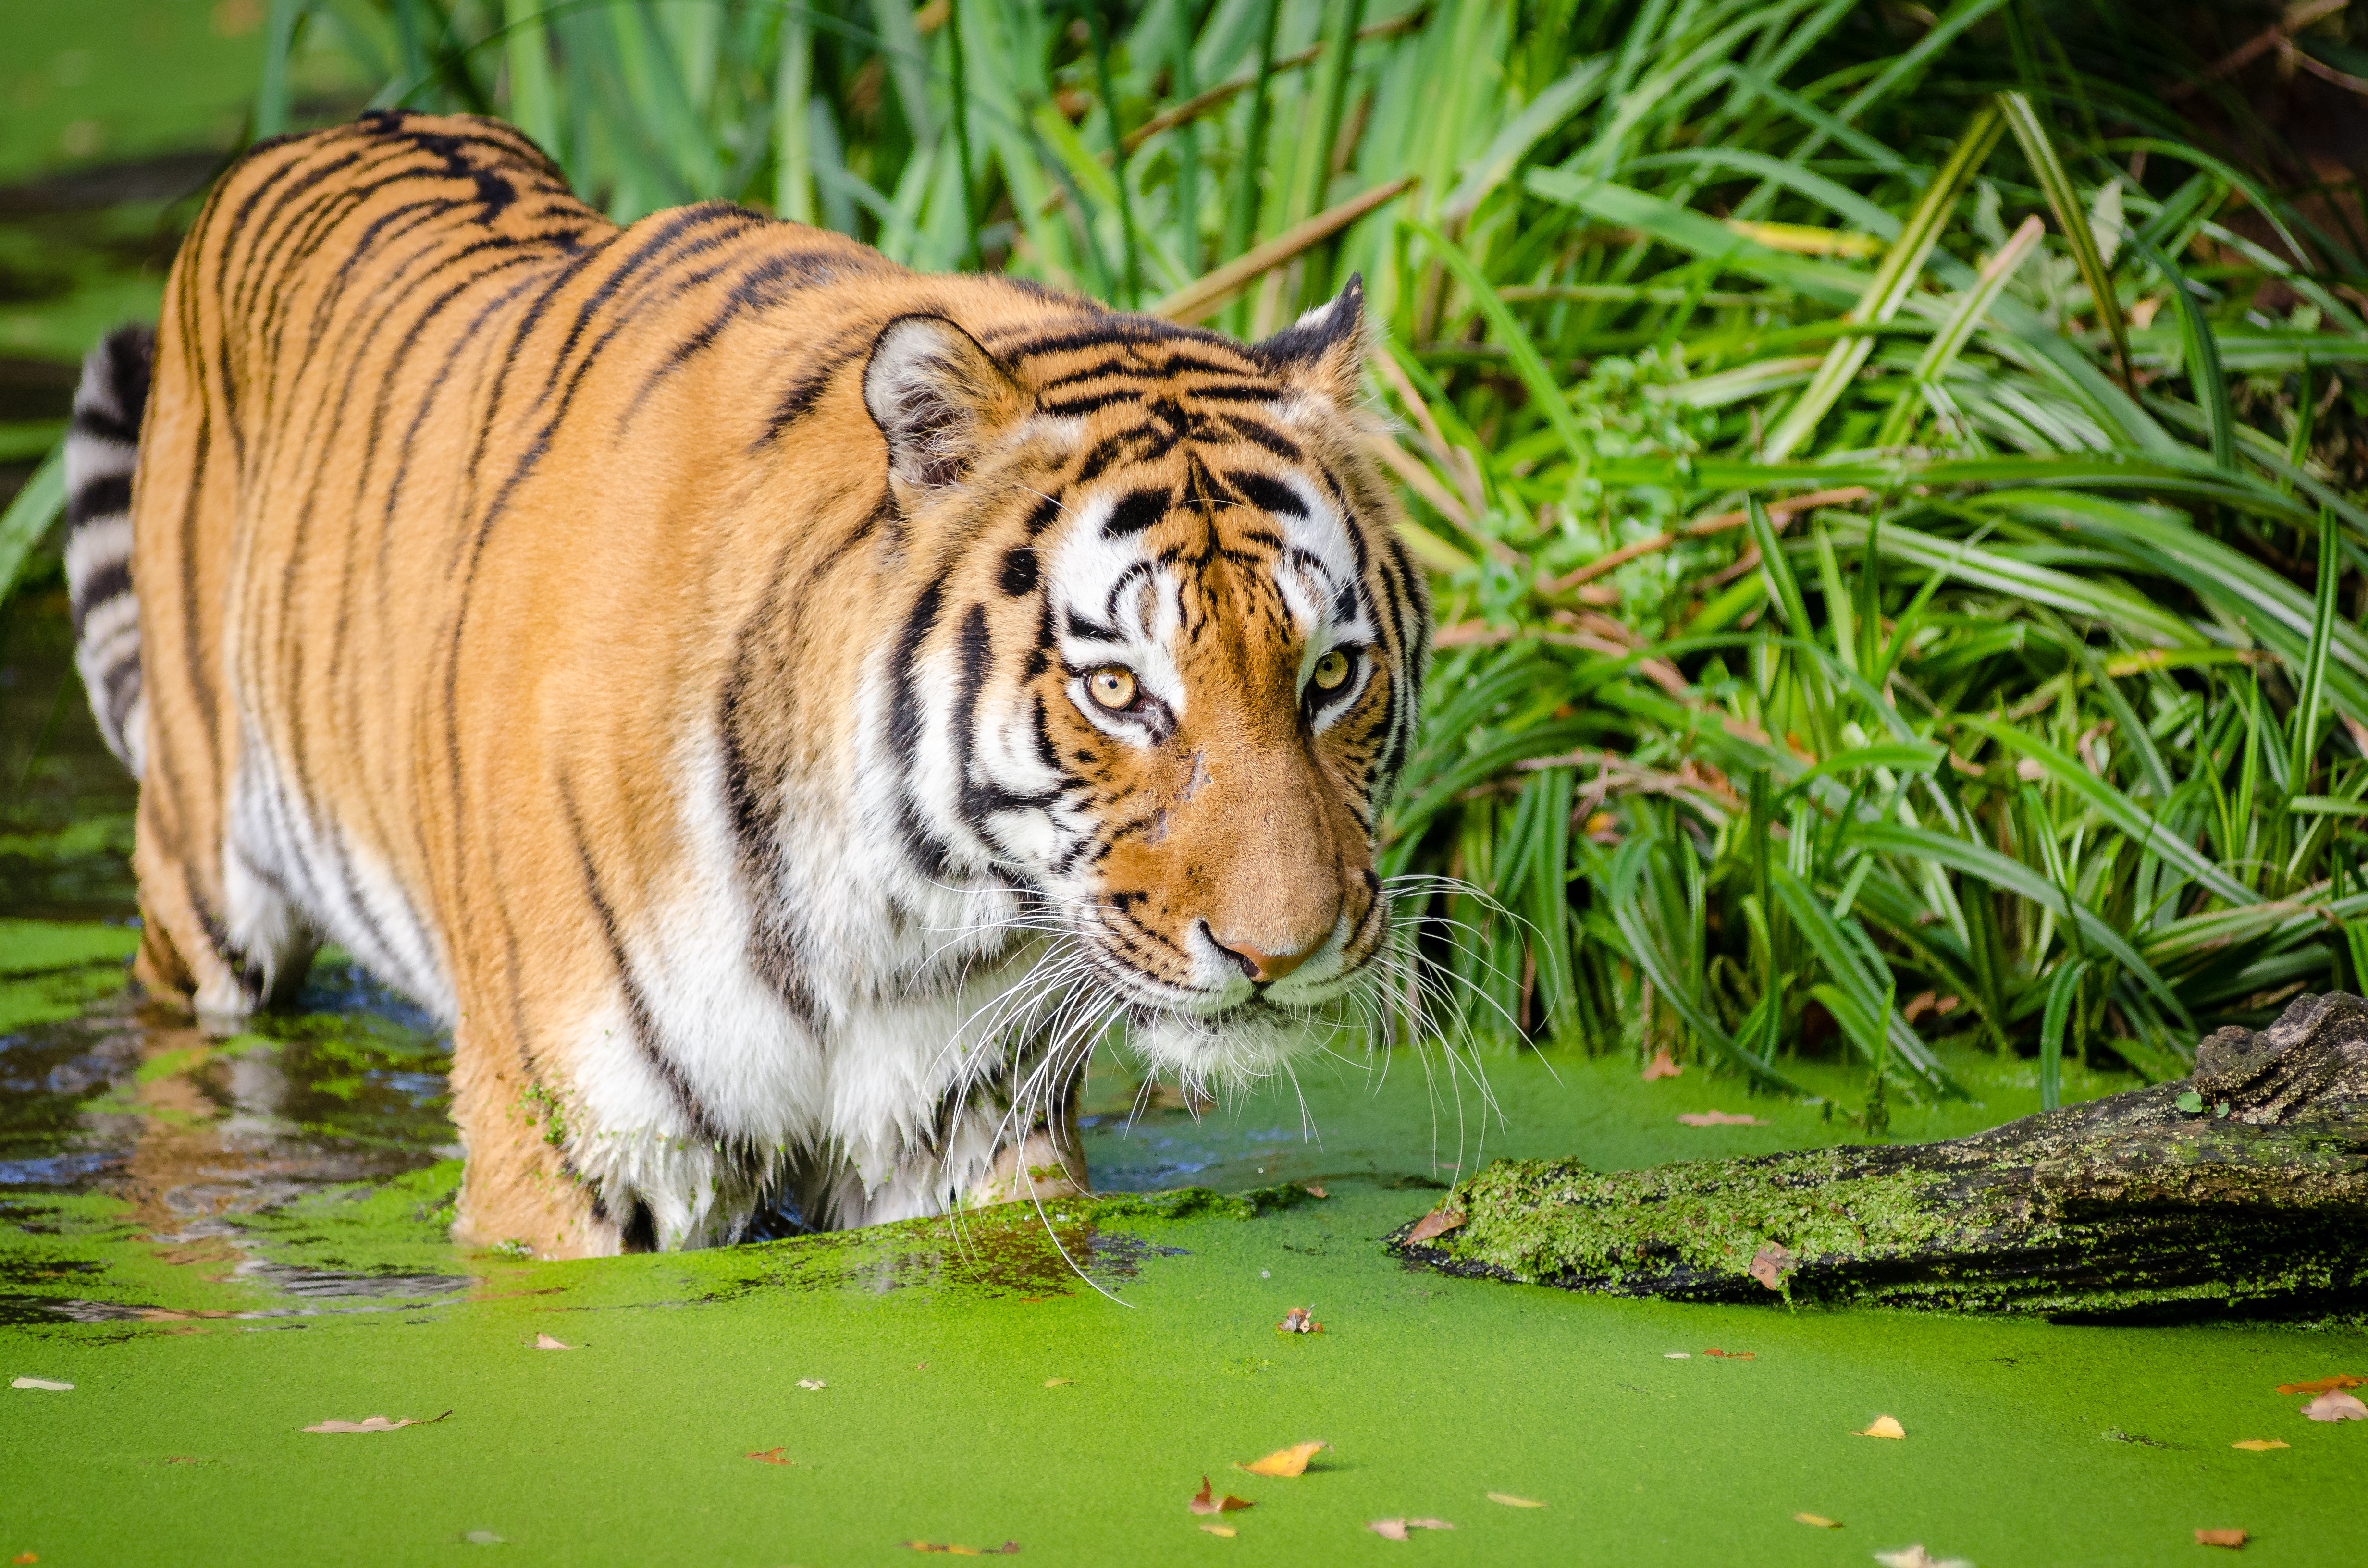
{"points": [[1819, 1520], [1884, 1426], [1292, 1461], [1058, 1383], [1226, 1530], [1510, 1500], [2258, 1444]]}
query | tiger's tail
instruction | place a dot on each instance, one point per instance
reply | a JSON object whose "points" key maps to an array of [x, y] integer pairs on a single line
{"points": [[102, 448]]}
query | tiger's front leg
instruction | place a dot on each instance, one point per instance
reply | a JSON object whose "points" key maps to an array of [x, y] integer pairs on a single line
{"points": [[519, 1191]]}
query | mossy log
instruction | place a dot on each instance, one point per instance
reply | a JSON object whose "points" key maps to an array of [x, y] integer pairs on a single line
{"points": [[2243, 1189]]}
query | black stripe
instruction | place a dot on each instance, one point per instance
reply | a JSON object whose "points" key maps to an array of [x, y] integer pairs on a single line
{"points": [[1269, 494], [103, 496], [1136, 511], [637, 1005], [104, 583], [905, 727]]}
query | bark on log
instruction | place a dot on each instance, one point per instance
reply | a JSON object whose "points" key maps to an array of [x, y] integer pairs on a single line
{"points": [[2128, 1208]]}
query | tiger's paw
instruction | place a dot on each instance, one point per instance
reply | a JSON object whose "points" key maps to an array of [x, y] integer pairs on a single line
{"points": [[1037, 1168]]}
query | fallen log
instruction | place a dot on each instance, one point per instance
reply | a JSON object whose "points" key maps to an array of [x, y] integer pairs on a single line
{"points": [[2243, 1189]]}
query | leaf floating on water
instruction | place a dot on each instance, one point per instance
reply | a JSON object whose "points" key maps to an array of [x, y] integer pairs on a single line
{"points": [[1770, 1264], [1300, 1320], [1718, 1118], [1915, 1556], [1883, 1426], [2220, 1538], [1438, 1223], [1677, 1354], [544, 1342], [1292, 1461], [1663, 1066], [1206, 1501], [1510, 1500], [2325, 1385], [484, 1537], [1819, 1520], [953, 1548], [41, 1383], [1316, 1191], [375, 1424], [2336, 1405], [2258, 1444], [1734, 1355], [810, 1384], [769, 1456], [1058, 1383], [1226, 1530], [1395, 1529]]}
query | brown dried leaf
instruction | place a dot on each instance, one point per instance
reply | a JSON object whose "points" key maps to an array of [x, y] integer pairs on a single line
{"points": [[1918, 1006], [2325, 1385], [1819, 1520], [1718, 1118], [2336, 1405], [374, 1424], [1663, 1066], [1058, 1383], [2260, 1445], [1292, 1461], [1734, 1355], [1316, 1191], [1438, 1223], [1883, 1426], [1770, 1264], [1206, 1501], [544, 1342], [1300, 1320], [769, 1456], [1510, 1500], [2219, 1537]]}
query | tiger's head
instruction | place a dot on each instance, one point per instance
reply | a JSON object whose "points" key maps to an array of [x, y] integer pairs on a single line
{"points": [[1175, 644]]}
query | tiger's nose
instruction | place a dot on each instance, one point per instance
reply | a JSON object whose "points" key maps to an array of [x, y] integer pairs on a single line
{"points": [[1264, 967]]}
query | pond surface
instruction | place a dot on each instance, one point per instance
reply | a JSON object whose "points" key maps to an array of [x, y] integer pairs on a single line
{"points": [[220, 1243]]}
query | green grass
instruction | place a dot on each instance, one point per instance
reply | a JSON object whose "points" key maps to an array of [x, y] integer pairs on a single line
{"points": [[1895, 500]]}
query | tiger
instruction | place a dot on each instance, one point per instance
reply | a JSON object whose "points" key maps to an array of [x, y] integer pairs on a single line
{"points": [[778, 708]]}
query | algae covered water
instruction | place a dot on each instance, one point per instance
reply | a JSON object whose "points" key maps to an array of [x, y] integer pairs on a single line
{"points": [[224, 1244]]}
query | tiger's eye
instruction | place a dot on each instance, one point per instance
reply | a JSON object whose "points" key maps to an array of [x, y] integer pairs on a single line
{"points": [[1111, 688], [1331, 670]]}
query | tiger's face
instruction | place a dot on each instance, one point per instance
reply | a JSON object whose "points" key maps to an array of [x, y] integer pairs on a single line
{"points": [[1184, 658]]}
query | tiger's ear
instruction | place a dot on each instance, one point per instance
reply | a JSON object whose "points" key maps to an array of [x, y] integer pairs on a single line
{"points": [[938, 397], [1325, 349]]}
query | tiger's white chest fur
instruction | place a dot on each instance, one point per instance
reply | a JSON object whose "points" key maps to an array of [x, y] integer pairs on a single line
{"points": [[909, 995]]}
